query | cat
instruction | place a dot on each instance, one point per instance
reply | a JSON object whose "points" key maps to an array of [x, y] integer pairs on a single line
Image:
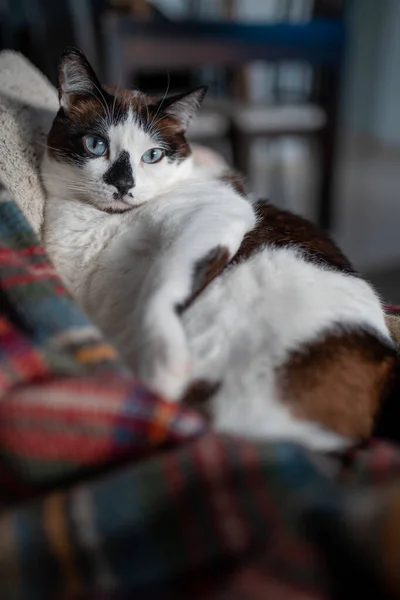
{"points": [[207, 294]]}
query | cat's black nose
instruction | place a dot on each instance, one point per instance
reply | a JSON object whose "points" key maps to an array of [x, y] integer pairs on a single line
{"points": [[123, 185], [120, 174]]}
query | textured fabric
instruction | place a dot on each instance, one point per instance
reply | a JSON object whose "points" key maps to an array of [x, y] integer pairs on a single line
{"points": [[28, 103], [393, 322], [218, 518], [109, 492]]}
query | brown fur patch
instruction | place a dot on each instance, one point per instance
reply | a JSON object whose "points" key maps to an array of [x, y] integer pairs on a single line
{"points": [[340, 381], [236, 181], [282, 228], [205, 271], [198, 394], [68, 130], [129, 99]]}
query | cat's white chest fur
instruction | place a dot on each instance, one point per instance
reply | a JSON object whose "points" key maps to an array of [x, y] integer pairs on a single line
{"points": [[75, 238]]}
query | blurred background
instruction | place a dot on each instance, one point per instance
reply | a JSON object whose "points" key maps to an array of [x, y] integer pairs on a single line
{"points": [[304, 95]]}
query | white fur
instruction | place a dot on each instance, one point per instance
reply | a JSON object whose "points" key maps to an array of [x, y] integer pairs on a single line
{"points": [[130, 271]]}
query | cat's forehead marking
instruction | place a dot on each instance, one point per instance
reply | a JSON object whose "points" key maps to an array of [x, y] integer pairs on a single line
{"points": [[109, 109], [123, 100], [132, 134], [144, 125], [130, 120]]}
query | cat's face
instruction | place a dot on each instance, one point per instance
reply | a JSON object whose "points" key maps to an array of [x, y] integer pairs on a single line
{"points": [[115, 149]]}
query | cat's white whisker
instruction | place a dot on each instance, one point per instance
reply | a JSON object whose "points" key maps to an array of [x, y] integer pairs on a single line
{"points": [[104, 102], [163, 99], [82, 177], [48, 147], [115, 96], [147, 107], [65, 182], [158, 121]]}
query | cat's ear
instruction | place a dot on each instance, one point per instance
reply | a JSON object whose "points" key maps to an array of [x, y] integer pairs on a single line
{"points": [[76, 78], [184, 106]]}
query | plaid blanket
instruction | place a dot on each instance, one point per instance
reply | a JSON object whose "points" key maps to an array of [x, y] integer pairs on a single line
{"points": [[107, 491]]}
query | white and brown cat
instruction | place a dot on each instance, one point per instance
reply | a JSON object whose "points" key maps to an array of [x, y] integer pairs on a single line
{"points": [[199, 288]]}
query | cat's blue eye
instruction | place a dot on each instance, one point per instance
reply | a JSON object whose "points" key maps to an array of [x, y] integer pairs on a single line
{"points": [[154, 155], [95, 145]]}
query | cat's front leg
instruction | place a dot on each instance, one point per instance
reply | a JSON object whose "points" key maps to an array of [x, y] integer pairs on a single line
{"points": [[207, 244], [209, 239], [162, 358]]}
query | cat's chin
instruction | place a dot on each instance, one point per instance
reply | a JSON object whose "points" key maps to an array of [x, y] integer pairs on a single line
{"points": [[118, 207]]}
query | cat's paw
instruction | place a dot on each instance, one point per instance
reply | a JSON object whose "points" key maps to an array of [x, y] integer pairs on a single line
{"points": [[230, 229], [164, 362], [170, 379]]}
